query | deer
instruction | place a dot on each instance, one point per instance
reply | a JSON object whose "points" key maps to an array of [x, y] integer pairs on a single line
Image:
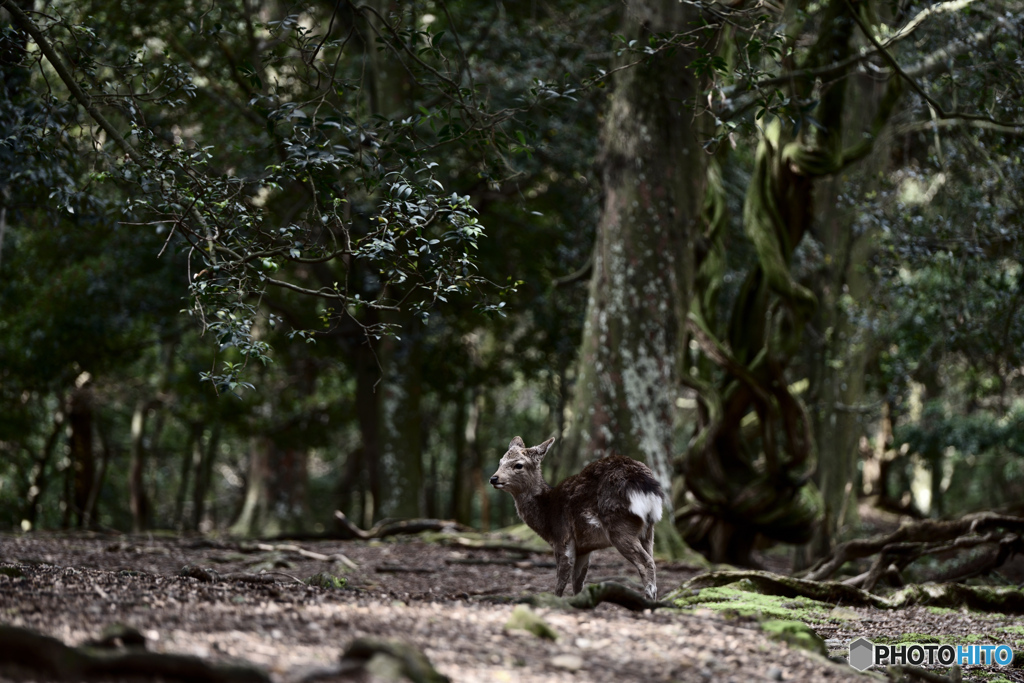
{"points": [[614, 501]]}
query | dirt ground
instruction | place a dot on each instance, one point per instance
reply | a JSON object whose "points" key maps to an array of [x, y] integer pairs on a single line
{"points": [[439, 597]]}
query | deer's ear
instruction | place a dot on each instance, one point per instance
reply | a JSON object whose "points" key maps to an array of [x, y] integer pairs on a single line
{"points": [[540, 450], [517, 442]]}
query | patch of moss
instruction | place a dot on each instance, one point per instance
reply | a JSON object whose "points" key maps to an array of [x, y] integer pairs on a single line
{"points": [[796, 634], [325, 580], [742, 597], [524, 619], [13, 572], [942, 610]]}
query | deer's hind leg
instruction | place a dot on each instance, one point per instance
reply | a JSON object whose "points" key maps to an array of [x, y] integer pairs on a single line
{"points": [[579, 573], [565, 560], [629, 539]]}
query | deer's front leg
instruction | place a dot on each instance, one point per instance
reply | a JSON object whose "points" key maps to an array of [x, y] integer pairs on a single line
{"points": [[565, 559]]}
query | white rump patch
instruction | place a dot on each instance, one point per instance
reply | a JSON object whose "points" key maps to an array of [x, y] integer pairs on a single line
{"points": [[646, 506]]}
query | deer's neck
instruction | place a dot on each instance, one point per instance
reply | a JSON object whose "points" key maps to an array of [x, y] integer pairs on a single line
{"points": [[535, 508]]}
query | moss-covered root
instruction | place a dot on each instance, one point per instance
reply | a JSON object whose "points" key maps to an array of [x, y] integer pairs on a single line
{"points": [[391, 660], [784, 586], [45, 657], [592, 596], [1007, 600]]}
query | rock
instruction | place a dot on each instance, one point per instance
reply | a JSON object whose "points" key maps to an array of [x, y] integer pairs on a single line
{"points": [[775, 673], [568, 662], [796, 633], [523, 619]]}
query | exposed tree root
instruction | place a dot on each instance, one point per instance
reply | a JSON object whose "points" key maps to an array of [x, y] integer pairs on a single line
{"points": [[1002, 535], [395, 655], [787, 587], [624, 596], [347, 530], [1007, 600], [25, 653], [912, 674], [591, 596]]}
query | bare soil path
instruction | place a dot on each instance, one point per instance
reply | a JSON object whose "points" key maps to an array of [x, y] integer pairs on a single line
{"points": [[436, 596]]}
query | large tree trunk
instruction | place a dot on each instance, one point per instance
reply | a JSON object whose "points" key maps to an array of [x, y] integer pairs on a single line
{"points": [[747, 468], [838, 348], [633, 337]]}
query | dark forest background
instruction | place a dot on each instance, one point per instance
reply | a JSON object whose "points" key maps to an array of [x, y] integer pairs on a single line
{"points": [[260, 261]]}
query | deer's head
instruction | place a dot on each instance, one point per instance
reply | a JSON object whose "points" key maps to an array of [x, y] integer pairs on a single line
{"points": [[519, 469]]}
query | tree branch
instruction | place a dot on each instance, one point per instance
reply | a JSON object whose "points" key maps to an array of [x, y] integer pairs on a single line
{"points": [[23, 21], [940, 111]]}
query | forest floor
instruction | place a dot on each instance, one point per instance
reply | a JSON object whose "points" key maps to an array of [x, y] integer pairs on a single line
{"points": [[433, 593]]}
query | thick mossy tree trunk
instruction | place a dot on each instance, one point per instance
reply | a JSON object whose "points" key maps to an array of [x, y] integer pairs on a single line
{"points": [[653, 169], [748, 469], [839, 347]]}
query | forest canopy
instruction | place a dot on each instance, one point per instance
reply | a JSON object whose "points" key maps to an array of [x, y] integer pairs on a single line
{"points": [[263, 261]]}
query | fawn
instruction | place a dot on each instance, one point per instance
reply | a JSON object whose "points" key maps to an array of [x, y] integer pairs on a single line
{"points": [[614, 501]]}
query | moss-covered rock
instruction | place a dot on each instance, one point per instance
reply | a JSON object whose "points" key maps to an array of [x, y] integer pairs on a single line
{"points": [[392, 660], [796, 634], [325, 580], [524, 619]]}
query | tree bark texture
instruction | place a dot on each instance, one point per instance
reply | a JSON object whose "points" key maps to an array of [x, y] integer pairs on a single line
{"points": [[653, 168], [838, 348]]}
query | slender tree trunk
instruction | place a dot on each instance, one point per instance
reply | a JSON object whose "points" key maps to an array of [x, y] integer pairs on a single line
{"points": [[403, 439], [139, 500], [41, 471], [191, 459], [204, 471], [83, 457], [464, 438], [106, 455], [633, 337], [368, 415], [275, 494]]}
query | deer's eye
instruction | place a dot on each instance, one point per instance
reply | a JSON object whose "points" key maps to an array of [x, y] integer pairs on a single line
{"points": [[519, 466]]}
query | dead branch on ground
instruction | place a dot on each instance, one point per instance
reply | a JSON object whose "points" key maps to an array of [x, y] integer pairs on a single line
{"points": [[589, 598], [347, 530]]}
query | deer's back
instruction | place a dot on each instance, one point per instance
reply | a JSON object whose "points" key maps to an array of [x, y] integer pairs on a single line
{"points": [[610, 492]]}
